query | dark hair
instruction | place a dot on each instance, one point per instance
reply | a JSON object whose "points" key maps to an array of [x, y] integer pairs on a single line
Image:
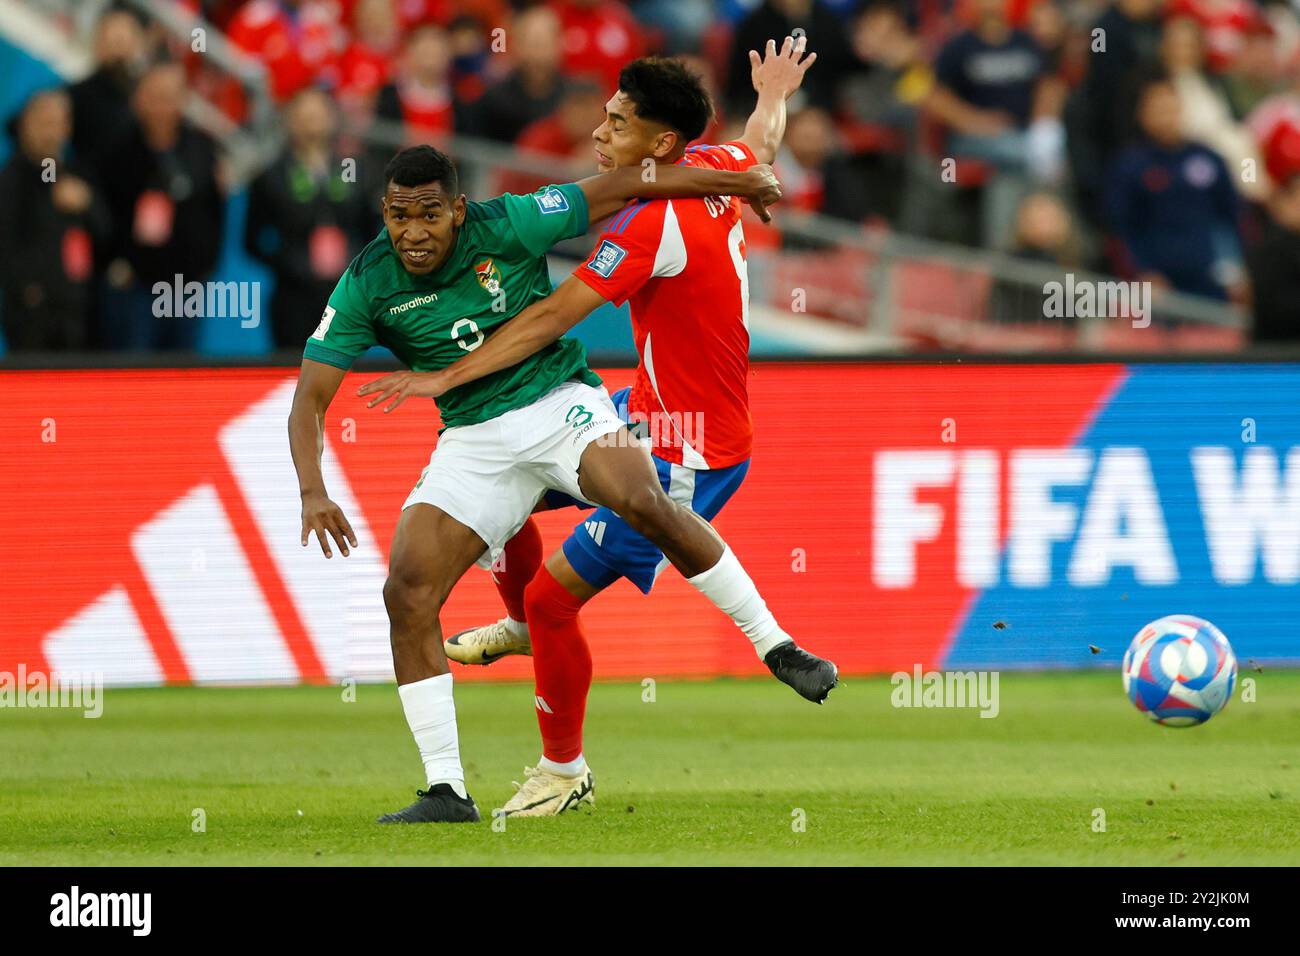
{"points": [[665, 91], [1149, 78], [417, 165]]}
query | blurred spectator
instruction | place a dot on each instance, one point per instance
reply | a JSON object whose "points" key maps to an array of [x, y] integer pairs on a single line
{"points": [[299, 41], [774, 20], [1102, 113], [1001, 105], [565, 134], [1172, 204], [1274, 266], [1046, 24], [168, 211], [1224, 24], [991, 85], [1045, 232], [101, 110], [469, 58], [50, 218], [599, 38], [420, 96], [533, 88], [306, 218], [1257, 70], [683, 22], [366, 61], [1275, 124], [1207, 116], [879, 103], [891, 76], [815, 174]]}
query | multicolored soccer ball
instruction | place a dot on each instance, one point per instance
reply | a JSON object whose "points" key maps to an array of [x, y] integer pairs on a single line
{"points": [[1180, 671]]}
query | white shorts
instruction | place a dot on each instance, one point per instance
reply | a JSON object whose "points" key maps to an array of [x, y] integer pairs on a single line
{"points": [[489, 476]]}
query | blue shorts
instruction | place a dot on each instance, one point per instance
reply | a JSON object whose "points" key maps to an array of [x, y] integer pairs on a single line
{"points": [[603, 548]]}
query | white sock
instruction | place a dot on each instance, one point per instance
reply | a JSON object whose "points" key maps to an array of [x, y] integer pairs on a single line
{"points": [[728, 586], [571, 769], [517, 628], [431, 715]]}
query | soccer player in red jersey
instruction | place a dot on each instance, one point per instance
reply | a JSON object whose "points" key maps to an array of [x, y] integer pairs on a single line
{"points": [[681, 266]]}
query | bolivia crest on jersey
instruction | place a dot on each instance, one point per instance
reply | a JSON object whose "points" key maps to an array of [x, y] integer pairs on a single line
{"points": [[489, 276]]}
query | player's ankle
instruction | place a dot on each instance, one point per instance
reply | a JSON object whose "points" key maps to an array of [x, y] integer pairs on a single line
{"points": [[566, 768], [764, 645], [517, 628]]}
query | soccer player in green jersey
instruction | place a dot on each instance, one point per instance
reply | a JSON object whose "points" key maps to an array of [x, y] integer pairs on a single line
{"points": [[441, 277]]}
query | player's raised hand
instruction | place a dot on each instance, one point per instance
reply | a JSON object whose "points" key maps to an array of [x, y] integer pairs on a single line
{"points": [[765, 191], [781, 72], [403, 385], [323, 516]]}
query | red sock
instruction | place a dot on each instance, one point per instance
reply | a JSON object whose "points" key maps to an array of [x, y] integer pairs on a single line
{"points": [[516, 566], [561, 665]]}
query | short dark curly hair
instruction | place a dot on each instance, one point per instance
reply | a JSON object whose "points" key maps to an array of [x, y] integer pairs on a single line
{"points": [[417, 165], [665, 91]]}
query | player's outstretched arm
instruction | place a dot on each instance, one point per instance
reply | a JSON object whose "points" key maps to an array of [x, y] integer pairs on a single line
{"points": [[530, 331], [317, 383], [776, 76], [607, 193]]}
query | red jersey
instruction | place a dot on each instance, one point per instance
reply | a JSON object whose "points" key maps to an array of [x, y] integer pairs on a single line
{"points": [[680, 264], [363, 70], [599, 39], [298, 46]]}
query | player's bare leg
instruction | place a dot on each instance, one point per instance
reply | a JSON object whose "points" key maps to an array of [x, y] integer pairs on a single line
{"points": [[430, 553], [511, 572], [621, 477]]}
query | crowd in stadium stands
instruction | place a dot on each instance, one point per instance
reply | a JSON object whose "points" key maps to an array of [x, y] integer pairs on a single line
{"points": [[1152, 139]]}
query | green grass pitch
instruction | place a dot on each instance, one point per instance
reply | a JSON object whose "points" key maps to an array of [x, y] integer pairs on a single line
{"points": [[719, 772]]}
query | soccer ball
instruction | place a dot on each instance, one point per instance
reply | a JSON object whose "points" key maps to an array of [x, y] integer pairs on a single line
{"points": [[1179, 671]]}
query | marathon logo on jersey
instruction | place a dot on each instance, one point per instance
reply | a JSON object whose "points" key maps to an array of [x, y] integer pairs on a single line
{"points": [[395, 310], [735, 151], [606, 259], [551, 201]]}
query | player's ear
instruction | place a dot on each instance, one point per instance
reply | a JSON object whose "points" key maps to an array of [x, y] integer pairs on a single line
{"points": [[458, 211], [666, 143]]}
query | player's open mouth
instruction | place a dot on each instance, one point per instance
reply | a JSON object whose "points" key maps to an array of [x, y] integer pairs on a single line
{"points": [[603, 160], [417, 256]]}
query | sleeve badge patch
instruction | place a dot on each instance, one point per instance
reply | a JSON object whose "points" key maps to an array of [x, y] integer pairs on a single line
{"points": [[551, 201], [606, 259]]}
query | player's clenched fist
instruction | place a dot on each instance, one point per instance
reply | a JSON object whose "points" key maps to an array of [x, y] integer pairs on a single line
{"points": [[765, 191], [323, 516]]}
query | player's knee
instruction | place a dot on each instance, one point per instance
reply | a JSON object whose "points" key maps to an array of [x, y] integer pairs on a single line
{"points": [[646, 509], [537, 604], [409, 599], [546, 601]]}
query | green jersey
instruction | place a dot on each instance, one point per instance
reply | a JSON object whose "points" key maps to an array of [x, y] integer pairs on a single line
{"points": [[496, 270]]}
